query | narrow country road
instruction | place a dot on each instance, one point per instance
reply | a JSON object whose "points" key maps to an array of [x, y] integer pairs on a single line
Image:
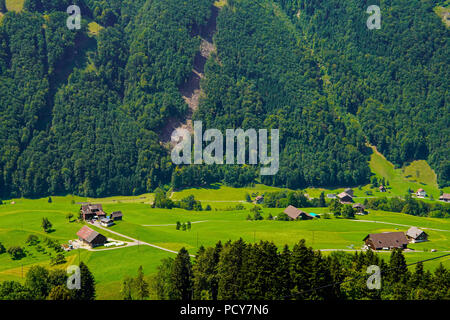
{"points": [[135, 242], [398, 224]]}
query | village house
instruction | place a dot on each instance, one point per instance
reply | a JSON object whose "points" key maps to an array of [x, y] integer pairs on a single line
{"points": [[360, 209], [349, 191], [331, 196], [106, 222], [382, 189], [386, 241], [259, 199], [421, 193], [116, 215], [345, 198], [91, 237], [295, 214], [90, 211], [416, 235], [445, 197]]}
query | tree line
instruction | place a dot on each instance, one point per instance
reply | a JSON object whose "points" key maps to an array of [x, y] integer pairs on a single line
{"points": [[260, 271]]}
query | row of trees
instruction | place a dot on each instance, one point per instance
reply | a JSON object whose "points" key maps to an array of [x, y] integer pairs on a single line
{"points": [[43, 284], [409, 205], [239, 270]]}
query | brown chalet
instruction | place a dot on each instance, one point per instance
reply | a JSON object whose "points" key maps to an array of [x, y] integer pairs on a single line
{"points": [[117, 215], [294, 214], [89, 211], [445, 197], [359, 208], [386, 240], [91, 237], [345, 198]]}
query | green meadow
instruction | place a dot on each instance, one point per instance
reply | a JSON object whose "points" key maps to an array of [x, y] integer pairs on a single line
{"points": [[157, 226]]}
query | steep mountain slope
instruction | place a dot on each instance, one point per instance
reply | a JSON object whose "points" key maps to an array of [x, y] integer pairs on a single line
{"points": [[395, 80], [85, 112]]}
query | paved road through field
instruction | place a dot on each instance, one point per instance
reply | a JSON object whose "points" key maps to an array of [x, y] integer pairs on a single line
{"points": [[133, 243], [398, 224]]}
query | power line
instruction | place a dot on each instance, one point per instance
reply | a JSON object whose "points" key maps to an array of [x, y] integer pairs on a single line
{"points": [[358, 277]]}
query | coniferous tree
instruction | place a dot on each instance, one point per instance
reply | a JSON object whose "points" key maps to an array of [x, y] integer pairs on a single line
{"points": [[3, 6], [181, 276], [87, 289], [142, 291]]}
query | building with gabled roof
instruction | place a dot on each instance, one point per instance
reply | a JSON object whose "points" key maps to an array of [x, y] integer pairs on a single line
{"points": [[294, 214], [91, 237], [386, 240], [415, 234], [89, 211], [117, 215], [345, 198], [445, 197]]}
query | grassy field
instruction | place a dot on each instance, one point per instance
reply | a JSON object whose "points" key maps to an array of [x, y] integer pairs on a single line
{"points": [[157, 226], [14, 5]]}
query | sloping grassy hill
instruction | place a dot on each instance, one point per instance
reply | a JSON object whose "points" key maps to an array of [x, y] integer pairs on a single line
{"points": [[14, 5], [414, 176], [157, 226]]}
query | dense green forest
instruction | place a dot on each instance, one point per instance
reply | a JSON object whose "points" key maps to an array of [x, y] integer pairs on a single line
{"points": [[82, 114], [244, 271], [395, 79]]}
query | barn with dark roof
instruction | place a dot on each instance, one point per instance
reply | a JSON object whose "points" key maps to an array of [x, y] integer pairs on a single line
{"points": [[386, 240]]}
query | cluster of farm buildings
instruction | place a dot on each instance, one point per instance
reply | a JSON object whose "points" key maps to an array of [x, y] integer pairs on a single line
{"points": [[91, 213]]}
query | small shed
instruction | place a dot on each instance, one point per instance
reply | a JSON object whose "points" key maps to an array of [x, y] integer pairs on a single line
{"points": [[107, 222], [117, 215]]}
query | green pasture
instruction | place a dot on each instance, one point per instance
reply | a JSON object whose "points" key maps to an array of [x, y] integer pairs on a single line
{"points": [[157, 226]]}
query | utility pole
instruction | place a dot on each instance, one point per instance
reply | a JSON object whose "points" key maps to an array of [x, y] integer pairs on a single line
{"points": [[197, 239]]}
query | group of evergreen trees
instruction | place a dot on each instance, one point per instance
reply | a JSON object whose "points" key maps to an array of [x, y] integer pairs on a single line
{"points": [[394, 80], [239, 270]]}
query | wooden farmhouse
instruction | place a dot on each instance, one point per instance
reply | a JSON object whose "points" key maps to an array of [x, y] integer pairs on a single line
{"points": [[416, 235], [89, 211], [360, 209], [386, 240], [117, 215], [295, 214], [421, 193], [91, 237], [345, 198], [445, 197]]}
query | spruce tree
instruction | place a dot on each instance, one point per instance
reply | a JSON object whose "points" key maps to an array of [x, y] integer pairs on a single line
{"points": [[141, 285], [181, 277], [87, 289]]}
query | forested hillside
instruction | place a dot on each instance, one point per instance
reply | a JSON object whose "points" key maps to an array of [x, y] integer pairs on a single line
{"points": [[395, 79], [82, 113]]}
